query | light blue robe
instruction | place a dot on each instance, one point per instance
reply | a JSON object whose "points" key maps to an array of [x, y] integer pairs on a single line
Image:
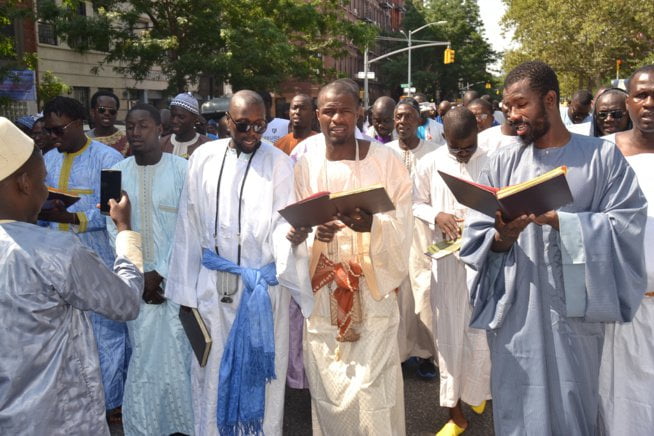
{"points": [[546, 338], [81, 174], [49, 370], [158, 387]]}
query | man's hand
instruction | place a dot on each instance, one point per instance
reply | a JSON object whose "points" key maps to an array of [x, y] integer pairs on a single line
{"points": [[359, 220], [55, 211], [299, 235], [449, 225], [325, 232], [121, 212], [152, 292], [550, 218], [507, 233]]}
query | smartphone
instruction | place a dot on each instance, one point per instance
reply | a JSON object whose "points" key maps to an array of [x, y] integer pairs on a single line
{"points": [[110, 181]]}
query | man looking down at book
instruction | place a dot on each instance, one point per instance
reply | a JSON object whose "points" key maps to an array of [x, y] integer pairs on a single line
{"points": [[626, 382], [50, 372], [357, 261], [544, 285], [415, 338], [231, 253], [463, 358]]}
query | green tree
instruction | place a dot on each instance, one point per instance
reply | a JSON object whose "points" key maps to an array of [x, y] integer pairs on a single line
{"points": [[581, 39], [49, 87], [248, 43], [10, 59], [464, 30]]}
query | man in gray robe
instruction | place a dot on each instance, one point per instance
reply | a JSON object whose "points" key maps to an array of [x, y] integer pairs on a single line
{"points": [[544, 285], [49, 371]]}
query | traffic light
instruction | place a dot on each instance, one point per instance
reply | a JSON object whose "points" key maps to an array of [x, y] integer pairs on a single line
{"points": [[448, 56], [488, 85]]}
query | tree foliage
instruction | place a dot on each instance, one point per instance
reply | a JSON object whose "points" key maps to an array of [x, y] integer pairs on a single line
{"points": [[248, 43], [581, 39], [463, 29]]}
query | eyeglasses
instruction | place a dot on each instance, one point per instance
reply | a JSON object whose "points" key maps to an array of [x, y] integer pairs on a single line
{"points": [[481, 117], [258, 126], [616, 115], [57, 130], [102, 110], [469, 149]]}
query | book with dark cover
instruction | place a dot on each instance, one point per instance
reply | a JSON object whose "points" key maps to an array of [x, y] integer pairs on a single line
{"points": [[68, 198], [547, 192], [323, 206], [196, 332]]}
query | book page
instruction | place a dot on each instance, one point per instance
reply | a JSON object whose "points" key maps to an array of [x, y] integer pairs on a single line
{"points": [[509, 190]]}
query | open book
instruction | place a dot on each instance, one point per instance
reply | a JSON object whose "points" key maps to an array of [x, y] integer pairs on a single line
{"points": [[68, 198], [541, 194], [321, 207]]}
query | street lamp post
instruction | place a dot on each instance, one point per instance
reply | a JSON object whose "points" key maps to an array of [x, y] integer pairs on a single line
{"points": [[409, 35]]}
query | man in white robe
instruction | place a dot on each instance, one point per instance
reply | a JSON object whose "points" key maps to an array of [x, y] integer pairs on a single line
{"points": [[350, 341], [157, 397], [415, 335], [463, 357], [544, 285], [627, 370], [50, 380], [234, 188]]}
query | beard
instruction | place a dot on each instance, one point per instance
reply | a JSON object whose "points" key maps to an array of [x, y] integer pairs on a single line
{"points": [[537, 128]]}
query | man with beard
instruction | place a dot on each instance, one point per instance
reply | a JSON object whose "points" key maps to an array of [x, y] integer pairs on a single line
{"points": [[626, 382], [104, 108], [230, 253], [158, 385], [184, 112], [463, 358], [543, 286], [301, 113], [357, 261], [76, 167], [414, 334], [382, 120]]}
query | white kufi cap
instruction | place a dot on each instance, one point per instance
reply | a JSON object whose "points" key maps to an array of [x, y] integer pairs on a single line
{"points": [[15, 148]]}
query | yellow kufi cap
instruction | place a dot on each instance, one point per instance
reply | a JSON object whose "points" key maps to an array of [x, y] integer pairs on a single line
{"points": [[15, 148]]}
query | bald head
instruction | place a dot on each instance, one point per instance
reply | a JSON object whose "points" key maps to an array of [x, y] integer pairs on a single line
{"points": [[382, 117], [246, 98], [459, 123], [383, 103], [469, 96], [443, 107], [339, 87]]}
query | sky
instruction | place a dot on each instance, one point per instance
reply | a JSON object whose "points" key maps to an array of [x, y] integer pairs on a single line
{"points": [[491, 12]]}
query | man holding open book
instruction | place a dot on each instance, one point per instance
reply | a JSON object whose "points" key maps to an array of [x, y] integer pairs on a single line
{"points": [[544, 285], [357, 261]]}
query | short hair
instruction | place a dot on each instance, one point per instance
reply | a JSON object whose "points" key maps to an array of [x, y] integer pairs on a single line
{"points": [[483, 103], [644, 69], [340, 86], [384, 102], [104, 93], [459, 123], [409, 101], [65, 106], [155, 114], [583, 96], [541, 77]]}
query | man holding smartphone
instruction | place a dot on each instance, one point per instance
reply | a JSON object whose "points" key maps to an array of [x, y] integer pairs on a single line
{"points": [[75, 168]]}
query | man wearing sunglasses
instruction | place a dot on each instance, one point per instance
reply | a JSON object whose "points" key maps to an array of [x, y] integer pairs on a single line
{"points": [[75, 166], [229, 253], [184, 139], [104, 108]]}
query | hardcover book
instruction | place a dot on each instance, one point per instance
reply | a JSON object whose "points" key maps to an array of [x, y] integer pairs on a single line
{"points": [[196, 332], [541, 194], [68, 198]]}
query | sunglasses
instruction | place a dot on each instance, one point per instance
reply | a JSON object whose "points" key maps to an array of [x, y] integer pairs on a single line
{"points": [[57, 130], [245, 126], [102, 110], [616, 115], [470, 149]]}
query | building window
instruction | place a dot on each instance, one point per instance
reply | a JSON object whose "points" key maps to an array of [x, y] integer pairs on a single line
{"points": [[81, 94], [47, 34]]}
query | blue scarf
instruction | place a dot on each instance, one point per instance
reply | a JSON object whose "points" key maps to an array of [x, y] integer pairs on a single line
{"points": [[248, 361]]}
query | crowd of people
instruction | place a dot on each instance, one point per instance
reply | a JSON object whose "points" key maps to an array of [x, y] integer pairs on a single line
{"points": [[548, 316]]}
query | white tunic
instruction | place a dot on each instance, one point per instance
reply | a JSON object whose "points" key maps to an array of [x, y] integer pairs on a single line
{"points": [[463, 357], [415, 334], [492, 139], [268, 188], [627, 369], [357, 387]]}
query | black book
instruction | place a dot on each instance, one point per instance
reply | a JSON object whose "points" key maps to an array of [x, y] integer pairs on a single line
{"points": [[196, 332]]}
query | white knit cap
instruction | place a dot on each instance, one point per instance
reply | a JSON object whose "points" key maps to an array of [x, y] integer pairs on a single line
{"points": [[15, 148], [186, 101]]}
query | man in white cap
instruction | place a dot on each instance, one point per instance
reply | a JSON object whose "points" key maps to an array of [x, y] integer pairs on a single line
{"points": [[50, 370], [184, 112]]}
